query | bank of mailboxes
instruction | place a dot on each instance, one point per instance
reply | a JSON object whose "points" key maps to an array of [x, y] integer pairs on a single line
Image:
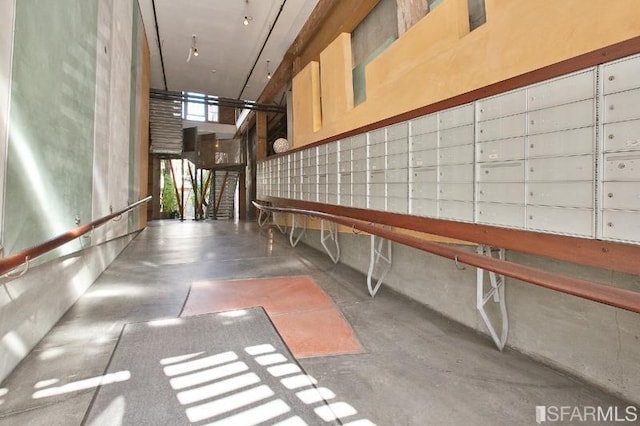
{"points": [[559, 156]]}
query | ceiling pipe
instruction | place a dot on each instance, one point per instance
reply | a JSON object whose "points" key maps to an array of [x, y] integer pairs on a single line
{"points": [[155, 19], [262, 49]]}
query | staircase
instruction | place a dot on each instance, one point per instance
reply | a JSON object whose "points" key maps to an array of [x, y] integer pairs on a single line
{"points": [[221, 199]]}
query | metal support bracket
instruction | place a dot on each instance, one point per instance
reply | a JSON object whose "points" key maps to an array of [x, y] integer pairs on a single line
{"points": [[333, 236], [263, 218], [295, 240], [495, 292], [378, 256], [275, 222]]}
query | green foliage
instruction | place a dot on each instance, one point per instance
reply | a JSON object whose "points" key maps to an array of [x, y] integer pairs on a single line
{"points": [[169, 203]]}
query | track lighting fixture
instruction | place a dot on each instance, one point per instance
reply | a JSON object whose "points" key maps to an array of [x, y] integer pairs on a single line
{"points": [[193, 50], [268, 72]]}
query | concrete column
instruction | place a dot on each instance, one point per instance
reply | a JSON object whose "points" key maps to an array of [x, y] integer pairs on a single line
{"points": [[410, 12], [7, 15]]}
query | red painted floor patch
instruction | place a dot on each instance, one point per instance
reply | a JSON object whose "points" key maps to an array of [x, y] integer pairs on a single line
{"points": [[305, 317]]}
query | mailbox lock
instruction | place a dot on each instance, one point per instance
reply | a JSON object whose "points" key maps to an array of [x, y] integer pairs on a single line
{"points": [[486, 172], [610, 195], [611, 78], [531, 217], [622, 166], [481, 192], [481, 109], [531, 146], [531, 169], [481, 151], [612, 107], [533, 122], [610, 224], [611, 136], [531, 193]]}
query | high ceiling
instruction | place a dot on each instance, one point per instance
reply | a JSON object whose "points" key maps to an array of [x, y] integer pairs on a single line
{"points": [[232, 59]]}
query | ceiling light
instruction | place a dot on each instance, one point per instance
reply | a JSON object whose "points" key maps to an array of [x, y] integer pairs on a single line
{"points": [[246, 21], [268, 72], [193, 50]]}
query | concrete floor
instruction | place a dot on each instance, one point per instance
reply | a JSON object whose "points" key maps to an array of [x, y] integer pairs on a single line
{"points": [[418, 367]]}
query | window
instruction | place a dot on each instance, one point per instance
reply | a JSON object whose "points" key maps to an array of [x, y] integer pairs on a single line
{"points": [[199, 107]]}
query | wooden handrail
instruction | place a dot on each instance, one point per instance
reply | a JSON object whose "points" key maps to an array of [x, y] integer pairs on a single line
{"points": [[620, 298], [10, 263]]}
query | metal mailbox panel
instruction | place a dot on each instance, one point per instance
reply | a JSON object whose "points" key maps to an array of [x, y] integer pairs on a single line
{"points": [[332, 179], [576, 168], [424, 190], [455, 117], [359, 153], [622, 106], [502, 128], [621, 225], [569, 116], [501, 105], [359, 189], [345, 183], [398, 205], [345, 144], [457, 136], [377, 163], [424, 141], [397, 190], [424, 124], [376, 136], [502, 150], [359, 165], [359, 178], [332, 198], [567, 142], [622, 136], [508, 171], [377, 150], [456, 154], [456, 210], [397, 176], [359, 201], [377, 203], [345, 155], [345, 200], [427, 174], [344, 166], [377, 177], [560, 220], [563, 194], [457, 173], [622, 166], [397, 146], [358, 141], [455, 191], [621, 75], [422, 207], [621, 195], [501, 192], [510, 215], [427, 157], [332, 147], [398, 131], [562, 90], [398, 161]]}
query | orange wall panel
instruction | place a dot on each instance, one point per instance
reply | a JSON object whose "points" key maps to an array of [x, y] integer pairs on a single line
{"points": [[438, 58]]}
